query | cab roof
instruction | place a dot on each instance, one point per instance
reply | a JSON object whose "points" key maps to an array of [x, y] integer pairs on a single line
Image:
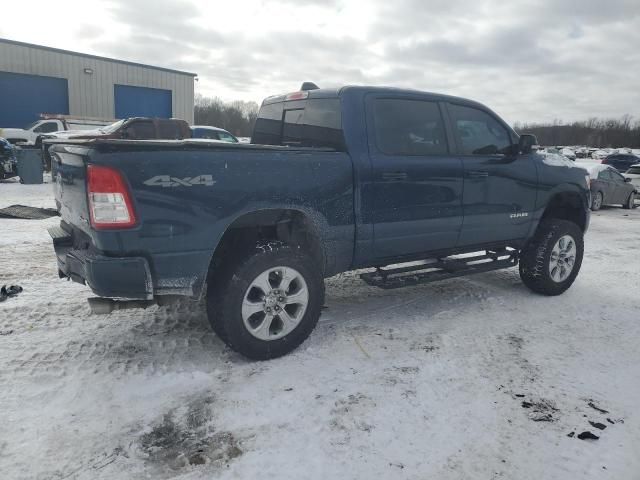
{"points": [[364, 89]]}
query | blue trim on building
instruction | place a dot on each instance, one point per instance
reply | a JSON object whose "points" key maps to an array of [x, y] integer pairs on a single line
{"points": [[133, 101]]}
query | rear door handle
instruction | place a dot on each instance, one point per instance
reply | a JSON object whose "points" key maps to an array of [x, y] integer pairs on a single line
{"points": [[477, 174], [394, 176]]}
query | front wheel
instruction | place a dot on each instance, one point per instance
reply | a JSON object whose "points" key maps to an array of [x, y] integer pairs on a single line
{"points": [[550, 263], [268, 304]]}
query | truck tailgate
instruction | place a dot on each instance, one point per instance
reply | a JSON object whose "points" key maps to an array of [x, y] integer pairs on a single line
{"points": [[77, 245], [68, 173]]}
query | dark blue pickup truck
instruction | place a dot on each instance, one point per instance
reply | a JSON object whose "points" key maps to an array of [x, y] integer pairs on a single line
{"points": [[414, 186]]}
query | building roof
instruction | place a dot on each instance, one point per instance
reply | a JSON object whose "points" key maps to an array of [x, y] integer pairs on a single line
{"points": [[95, 57]]}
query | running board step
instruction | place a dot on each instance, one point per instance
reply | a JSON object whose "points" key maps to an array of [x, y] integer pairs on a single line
{"points": [[440, 269]]}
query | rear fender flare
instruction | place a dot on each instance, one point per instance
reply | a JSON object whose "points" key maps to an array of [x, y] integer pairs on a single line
{"points": [[316, 220]]}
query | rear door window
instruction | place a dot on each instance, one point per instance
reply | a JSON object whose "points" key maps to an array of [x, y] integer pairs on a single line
{"points": [[478, 133], [225, 137], [604, 175], [205, 133], [617, 177], [409, 127]]}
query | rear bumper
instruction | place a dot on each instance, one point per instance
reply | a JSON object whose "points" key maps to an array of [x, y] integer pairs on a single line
{"points": [[111, 277]]}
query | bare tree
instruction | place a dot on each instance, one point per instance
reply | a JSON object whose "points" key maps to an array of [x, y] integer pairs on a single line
{"points": [[237, 117], [593, 132]]}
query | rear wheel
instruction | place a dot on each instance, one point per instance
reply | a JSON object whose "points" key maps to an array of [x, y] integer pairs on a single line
{"points": [[596, 201], [631, 201], [269, 303], [552, 260]]}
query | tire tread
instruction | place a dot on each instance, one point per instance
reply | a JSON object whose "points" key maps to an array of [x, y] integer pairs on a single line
{"points": [[534, 261], [230, 280]]}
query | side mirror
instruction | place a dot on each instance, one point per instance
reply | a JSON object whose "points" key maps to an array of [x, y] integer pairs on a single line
{"points": [[527, 143], [627, 179]]}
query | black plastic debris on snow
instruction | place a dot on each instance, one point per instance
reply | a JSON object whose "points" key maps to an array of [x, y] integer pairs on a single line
{"points": [[599, 426], [571, 434], [595, 407], [10, 291], [541, 411], [587, 436], [27, 213]]}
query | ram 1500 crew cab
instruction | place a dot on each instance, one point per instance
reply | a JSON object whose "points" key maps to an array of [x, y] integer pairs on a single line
{"points": [[334, 180]]}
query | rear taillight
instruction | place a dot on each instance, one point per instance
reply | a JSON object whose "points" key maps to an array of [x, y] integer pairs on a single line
{"points": [[110, 204]]}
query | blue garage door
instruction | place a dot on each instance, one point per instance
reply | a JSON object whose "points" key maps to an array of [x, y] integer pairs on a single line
{"points": [[142, 102], [24, 97]]}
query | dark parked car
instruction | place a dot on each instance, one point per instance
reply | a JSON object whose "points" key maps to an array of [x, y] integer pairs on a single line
{"points": [[135, 128], [608, 187], [8, 163], [621, 161], [212, 133]]}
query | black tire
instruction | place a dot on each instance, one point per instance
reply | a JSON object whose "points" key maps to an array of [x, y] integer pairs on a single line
{"points": [[535, 258], [596, 201], [631, 201], [226, 294]]}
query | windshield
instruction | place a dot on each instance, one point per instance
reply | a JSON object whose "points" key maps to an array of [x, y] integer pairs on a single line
{"points": [[31, 125], [113, 127]]}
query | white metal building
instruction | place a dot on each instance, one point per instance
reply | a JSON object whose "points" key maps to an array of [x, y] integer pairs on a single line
{"points": [[35, 79]]}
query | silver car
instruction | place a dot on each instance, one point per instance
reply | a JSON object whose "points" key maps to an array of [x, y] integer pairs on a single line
{"points": [[634, 174]]}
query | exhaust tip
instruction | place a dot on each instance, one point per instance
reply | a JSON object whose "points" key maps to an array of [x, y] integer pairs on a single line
{"points": [[101, 306]]}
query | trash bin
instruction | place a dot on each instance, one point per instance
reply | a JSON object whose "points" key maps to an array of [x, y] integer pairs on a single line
{"points": [[30, 168]]}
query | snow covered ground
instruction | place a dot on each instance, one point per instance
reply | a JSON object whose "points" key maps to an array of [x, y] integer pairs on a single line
{"points": [[474, 377]]}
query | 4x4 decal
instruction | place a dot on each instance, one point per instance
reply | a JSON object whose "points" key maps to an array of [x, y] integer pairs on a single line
{"points": [[169, 181]]}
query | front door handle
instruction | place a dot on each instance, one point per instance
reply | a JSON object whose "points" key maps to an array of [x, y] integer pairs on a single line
{"points": [[394, 176], [477, 174]]}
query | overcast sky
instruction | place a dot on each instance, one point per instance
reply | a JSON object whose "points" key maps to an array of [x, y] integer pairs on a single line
{"points": [[530, 60]]}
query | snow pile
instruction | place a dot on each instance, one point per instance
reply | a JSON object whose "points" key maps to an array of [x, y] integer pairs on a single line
{"points": [[567, 152]]}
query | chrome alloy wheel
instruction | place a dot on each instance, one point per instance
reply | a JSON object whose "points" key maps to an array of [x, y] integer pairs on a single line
{"points": [[274, 303], [563, 257]]}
